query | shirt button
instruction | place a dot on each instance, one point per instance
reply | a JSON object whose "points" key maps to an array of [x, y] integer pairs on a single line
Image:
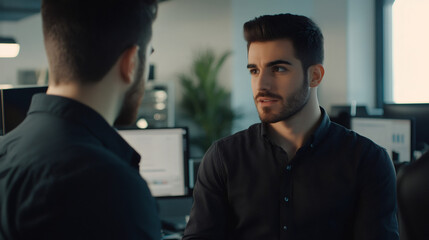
{"points": [[288, 167], [284, 228], [286, 199]]}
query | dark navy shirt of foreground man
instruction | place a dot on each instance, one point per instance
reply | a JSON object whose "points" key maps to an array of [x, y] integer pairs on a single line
{"points": [[335, 188], [85, 185], [296, 175]]}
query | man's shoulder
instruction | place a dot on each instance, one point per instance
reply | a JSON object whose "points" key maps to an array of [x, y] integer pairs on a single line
{"points": [[72, 169], [358, 147], [57, 151], [84, 180], [72, 161], [88, 153], [346, 136], [243, 143], [51, 143]]}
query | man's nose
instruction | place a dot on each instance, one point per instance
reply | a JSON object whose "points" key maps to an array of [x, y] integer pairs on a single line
{"points": [[264, 81]]}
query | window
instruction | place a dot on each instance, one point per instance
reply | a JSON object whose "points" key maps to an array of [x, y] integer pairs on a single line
{"points": [[406, 80]]}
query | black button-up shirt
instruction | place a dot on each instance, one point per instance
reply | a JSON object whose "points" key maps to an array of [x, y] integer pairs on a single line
{"points": [[65, 173], [339, 186]]}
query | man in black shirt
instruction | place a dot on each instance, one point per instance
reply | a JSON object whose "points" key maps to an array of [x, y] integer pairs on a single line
{"points": [[296, 175], [65, 173]]}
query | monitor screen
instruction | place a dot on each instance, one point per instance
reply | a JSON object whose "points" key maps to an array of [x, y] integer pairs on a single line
{"points": [[394, 134], [164, 158], [418, 111], [15, 103]]}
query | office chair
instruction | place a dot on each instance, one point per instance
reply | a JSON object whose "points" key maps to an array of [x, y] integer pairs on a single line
{"points": [[413, 199]]}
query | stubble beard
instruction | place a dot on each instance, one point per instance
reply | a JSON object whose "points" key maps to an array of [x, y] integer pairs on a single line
{"points": [[132, 100], [289, 108]]}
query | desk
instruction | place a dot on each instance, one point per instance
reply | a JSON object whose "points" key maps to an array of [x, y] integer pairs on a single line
{"points": [[173, 212]]}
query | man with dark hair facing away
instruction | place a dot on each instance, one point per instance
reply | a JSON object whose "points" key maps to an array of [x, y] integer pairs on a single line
{"points": [[296, 175], [65, 173]]}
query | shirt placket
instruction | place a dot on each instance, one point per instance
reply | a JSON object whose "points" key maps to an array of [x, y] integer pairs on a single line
{"points": [[285, 198]]}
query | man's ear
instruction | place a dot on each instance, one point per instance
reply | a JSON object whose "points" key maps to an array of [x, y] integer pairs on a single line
{"points": [[128, 61], [316, 72]]}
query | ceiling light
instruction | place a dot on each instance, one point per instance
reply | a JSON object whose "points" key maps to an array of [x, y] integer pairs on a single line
{"points": [[9, 48]]}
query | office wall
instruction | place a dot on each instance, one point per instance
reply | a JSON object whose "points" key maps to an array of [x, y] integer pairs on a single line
{"points": [[183, 29], [361, 52]]}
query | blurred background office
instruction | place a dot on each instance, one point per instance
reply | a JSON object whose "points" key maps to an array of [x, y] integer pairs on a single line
{"points": [[374, 60], [373, 56]]}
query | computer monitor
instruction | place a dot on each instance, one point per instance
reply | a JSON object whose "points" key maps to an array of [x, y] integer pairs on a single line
{"points": [[164, 159], [341, 114], [396, 135], [418, 111], [15, 103]]}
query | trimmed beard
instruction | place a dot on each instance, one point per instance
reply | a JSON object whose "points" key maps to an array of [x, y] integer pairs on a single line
{"points": [[294, 104], [133, 97]]}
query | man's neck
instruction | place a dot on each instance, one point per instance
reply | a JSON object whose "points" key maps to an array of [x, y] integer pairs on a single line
{"points": [[291, 134], [94, 96]]}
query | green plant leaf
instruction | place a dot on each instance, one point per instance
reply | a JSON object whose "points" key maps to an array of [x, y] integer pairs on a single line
{"points": [[205, 102]]}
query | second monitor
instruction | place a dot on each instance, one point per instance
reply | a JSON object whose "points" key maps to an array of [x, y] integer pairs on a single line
{"points": [[164, 159], [396, 135]]}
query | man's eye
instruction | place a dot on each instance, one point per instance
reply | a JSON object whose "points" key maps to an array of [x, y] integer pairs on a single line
{"points": [[253, 71], [279, 69]]}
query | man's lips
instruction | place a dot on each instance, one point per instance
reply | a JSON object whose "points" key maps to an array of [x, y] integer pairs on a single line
{"points": [[264, 95], [266, 100]]}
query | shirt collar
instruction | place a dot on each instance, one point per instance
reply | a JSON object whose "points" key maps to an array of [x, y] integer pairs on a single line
{"points": [[315, 138], [82, 114], [322, 130]]}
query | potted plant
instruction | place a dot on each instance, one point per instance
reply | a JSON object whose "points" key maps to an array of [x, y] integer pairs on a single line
{"points": [[204, 101]]}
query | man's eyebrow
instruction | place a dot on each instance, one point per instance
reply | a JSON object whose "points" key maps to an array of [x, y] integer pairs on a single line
{"points": [[251, 65], [270, 64]]}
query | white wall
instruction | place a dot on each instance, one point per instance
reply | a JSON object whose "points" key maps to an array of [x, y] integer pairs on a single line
{"points": [[184, 27], [331, 16], [361, 52]]}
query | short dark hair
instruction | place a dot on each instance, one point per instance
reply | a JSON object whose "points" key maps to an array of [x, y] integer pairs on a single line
{"points": [[306, 37], [88, 36]]}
